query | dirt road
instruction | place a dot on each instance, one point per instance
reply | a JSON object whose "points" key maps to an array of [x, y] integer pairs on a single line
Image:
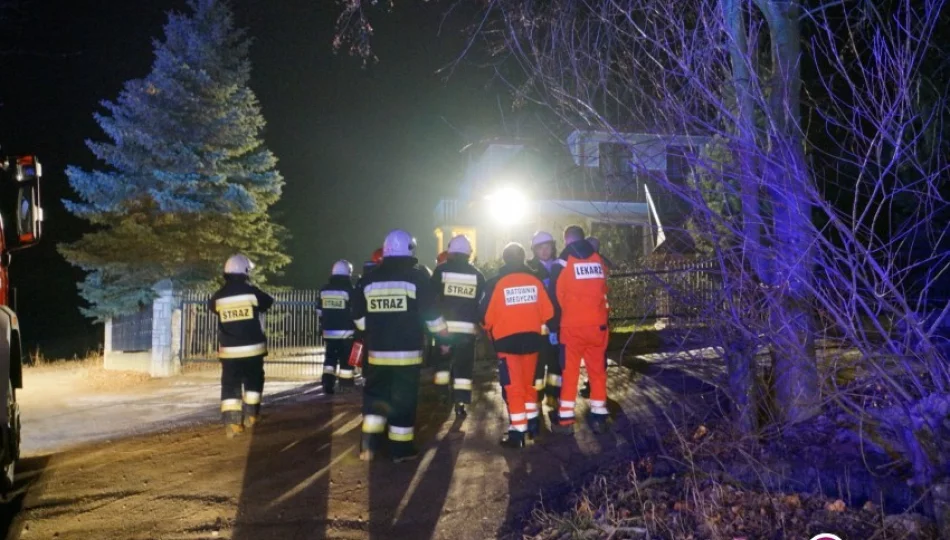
{"points": [[62, 408], [297, 475]]}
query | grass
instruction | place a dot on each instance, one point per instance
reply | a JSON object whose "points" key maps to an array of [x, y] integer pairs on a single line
{"points": [[631, 328], [38, 360], [676, 493]]}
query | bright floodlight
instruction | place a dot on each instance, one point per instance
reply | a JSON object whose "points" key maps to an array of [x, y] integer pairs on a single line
{"points": [[507, 206]]}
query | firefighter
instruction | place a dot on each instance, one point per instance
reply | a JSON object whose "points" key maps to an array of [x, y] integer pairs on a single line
{"points": [[458, 287], [580, 289], [242, 344], [337, 325], [544, 264], [394, 310], [515, 312], [368, 266], [434, 355]]}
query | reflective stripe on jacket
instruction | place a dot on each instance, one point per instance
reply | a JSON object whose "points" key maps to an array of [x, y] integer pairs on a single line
{"points": [[396, 307], [239, 306], [336, 318], [459, 287]]}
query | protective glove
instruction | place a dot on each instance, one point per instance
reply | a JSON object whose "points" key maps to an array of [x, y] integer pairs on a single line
{"points": [[552, 337]]}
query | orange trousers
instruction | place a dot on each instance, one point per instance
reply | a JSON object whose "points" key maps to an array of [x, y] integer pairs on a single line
{"points": [[516, 375], [588, 344]]}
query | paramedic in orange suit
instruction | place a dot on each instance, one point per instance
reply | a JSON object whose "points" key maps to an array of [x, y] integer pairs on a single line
{"points": [[515, 311], [580, 291]]}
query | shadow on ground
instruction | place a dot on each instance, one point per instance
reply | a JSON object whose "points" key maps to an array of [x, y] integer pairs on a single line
{"points": [[314, 486], [29, 471], [285, 492], [462, 470]]}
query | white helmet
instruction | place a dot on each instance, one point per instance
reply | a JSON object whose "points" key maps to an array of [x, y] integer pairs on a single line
{"points": [[541, 237], [238, 264], [342, 268], [399, 243], [460, 245]]}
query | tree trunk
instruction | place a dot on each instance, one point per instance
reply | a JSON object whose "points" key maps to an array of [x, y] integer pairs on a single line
{"points": [[739, 356], [746, 146], [787, 177]]}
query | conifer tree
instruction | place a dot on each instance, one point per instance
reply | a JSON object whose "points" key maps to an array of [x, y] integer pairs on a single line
{"points": [[188, 180]]}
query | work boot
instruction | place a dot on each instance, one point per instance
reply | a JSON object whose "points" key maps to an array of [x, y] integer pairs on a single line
{"points": [[251, 420], [551, 401], [369, 442], [460, 411], [233, 430], [329, 384], [513, 439], [557, 427], [529, 439], [598, 423], [534, 427], [407, 454]]}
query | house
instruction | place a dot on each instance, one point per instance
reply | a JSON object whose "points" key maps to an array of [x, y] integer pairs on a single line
{"points": [[514, 187]]}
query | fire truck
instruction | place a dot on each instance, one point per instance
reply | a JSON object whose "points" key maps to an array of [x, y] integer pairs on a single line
{"points": [[19, 199]]}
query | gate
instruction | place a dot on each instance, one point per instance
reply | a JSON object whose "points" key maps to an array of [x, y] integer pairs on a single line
{"points": [[294, 344]]}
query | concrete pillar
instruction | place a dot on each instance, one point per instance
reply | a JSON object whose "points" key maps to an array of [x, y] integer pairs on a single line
{"points": [[107, 345], [165, 333]]}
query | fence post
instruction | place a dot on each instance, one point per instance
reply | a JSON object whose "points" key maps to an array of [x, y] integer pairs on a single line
{"points": [[164, 331]]}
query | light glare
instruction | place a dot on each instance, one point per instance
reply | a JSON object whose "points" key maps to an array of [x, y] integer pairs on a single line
{"points": [[507, 206]]}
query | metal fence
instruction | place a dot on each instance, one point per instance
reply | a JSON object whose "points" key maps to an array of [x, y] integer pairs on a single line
{"points": [[681, 289], [292, 326], [132, 333]]}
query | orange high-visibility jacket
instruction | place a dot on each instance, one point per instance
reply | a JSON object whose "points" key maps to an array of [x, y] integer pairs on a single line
{"points": [[515, 310], [581, 287]]}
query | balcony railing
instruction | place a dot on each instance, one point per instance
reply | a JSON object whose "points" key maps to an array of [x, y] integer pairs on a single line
{"points": [[447, 212]]}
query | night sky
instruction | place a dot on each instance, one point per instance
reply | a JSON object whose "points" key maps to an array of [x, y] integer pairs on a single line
{"points": [[361, 150]]}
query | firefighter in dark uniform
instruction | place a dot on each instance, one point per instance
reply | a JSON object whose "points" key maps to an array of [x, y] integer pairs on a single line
{"points": [[434, 356], [394, 311], [458, 287], [549, 360], [368, 267], [242, 344], [336, 323]]}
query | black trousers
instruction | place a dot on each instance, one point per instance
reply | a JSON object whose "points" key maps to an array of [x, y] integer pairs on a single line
{"points": [[547, 373], [390, 396], [457, 367], [336, 357], [242, 383]]}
